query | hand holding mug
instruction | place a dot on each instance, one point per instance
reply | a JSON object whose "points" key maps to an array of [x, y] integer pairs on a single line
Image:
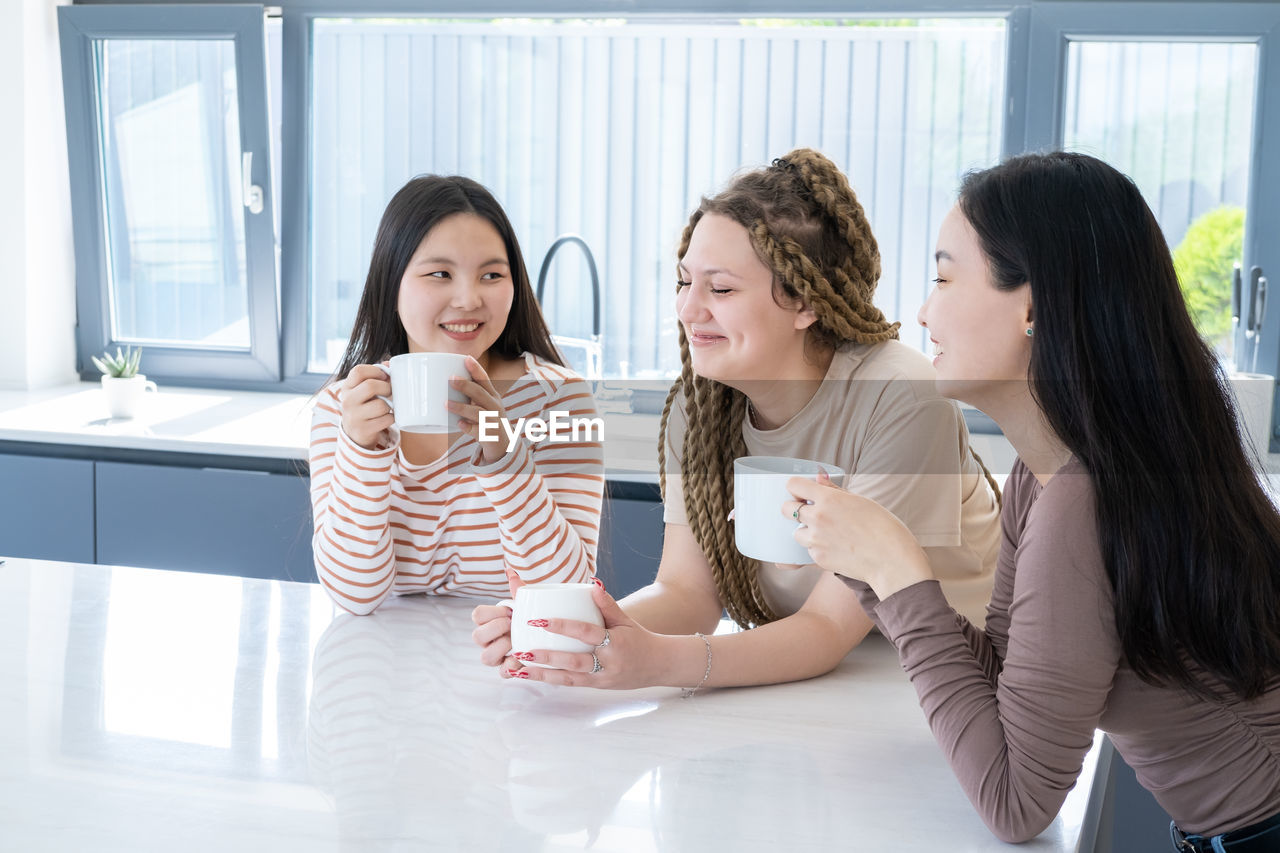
{"points": [[620, 654], [854, 536], [493, 628], [759, 489], [518, 623], [483, 397], [366, 417], [421, 391]]}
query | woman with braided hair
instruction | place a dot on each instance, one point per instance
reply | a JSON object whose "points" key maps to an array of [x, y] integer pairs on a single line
{"points": [[783, 354]]}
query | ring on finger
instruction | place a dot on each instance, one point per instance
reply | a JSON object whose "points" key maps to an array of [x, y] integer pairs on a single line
{"points": [[796, 515], [604, 642], [595, 664]]}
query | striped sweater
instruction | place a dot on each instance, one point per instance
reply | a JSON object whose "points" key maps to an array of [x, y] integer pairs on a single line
{"points": [[384, 525]]}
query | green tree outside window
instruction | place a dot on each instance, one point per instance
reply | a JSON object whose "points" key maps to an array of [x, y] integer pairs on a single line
{"points": [[1203, 260]]}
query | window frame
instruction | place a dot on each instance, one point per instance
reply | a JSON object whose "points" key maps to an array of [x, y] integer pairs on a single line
{"points": [[283, 366], [1035, 47], [298, 19], [1054, 25], [79, 27]]}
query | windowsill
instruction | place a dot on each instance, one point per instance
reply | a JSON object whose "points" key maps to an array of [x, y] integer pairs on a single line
{"points": [[186, 420]]}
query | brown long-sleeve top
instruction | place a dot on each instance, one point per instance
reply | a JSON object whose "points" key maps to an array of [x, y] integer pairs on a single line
{"points": [[1015, 707]]}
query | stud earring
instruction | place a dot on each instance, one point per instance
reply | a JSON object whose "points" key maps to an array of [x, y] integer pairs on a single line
{"points": [[1030, 331]]}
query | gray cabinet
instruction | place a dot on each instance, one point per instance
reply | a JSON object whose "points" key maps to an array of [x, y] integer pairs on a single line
{"points": [[46, 508], [1130, 819], [231, 522], [631, 533], [115, 507]]}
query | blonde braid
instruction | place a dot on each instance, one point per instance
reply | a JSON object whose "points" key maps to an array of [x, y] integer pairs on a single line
{"points": [[845, 307], [831, 190], [991, 480], [860, 321], [712, 411]]}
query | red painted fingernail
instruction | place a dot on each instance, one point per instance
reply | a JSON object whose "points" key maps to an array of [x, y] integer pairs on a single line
{"points": [[539, 623], [598, 582], [519, 674], [523, 655]]}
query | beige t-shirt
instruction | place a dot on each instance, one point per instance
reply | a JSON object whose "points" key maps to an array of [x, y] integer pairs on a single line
{"points": [[878, 416]]}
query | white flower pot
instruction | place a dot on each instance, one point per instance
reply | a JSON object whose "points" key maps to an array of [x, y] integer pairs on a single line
{"points": [[124, 396]]}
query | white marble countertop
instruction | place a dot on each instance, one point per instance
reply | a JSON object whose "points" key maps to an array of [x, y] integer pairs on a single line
{"points": [[143, 710]]}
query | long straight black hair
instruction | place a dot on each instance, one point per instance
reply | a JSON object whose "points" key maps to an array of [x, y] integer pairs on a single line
{"points": [[1190, 539], [413, 211]]}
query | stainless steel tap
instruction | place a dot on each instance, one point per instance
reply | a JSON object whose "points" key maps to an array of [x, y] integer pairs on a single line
{"points": [[592, 347]]}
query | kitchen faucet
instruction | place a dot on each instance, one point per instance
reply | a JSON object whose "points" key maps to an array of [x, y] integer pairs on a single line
{"points": [[592, 347]]}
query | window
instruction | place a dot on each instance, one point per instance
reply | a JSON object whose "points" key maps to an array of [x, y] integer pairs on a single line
{"points": [[1177, 117], [167, 132], [612, 130], [609, 129], [1177, 97]]}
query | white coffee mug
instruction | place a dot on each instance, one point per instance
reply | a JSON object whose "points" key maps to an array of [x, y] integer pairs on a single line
{"points": [[760, 530], [551, 601], [419, 388]]}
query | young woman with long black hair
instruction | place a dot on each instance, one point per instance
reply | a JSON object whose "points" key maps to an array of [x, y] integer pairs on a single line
{"points": [[1138, 585], [445, 513]]}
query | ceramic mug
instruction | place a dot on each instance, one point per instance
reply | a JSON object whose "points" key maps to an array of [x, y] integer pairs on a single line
{"points": [[420, 387], [760, 530], [551, 601]]}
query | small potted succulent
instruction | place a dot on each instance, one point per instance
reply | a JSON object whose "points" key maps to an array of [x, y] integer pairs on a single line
{"points": [[122, 384]]}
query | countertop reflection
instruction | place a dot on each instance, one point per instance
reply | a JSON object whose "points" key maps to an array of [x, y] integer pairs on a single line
{"points": [[149, 710]]}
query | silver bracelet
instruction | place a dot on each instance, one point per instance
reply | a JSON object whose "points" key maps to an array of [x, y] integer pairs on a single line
{"points": [[686, 692]]}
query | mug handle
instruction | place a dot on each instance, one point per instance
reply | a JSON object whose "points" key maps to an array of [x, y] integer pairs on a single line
{"points": [[387, 371], [150, 386], [510, 605]]}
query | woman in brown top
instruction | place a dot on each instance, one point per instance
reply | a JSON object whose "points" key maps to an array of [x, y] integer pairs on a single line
{"points": [[1138, 584]]}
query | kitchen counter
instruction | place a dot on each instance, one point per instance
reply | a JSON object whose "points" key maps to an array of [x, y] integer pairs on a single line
{"points": [[272, 430], [150, 710], [203, 423]]}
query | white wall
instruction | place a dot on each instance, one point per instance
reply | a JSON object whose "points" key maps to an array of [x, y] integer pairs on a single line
{"points": [[37, 268]]}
